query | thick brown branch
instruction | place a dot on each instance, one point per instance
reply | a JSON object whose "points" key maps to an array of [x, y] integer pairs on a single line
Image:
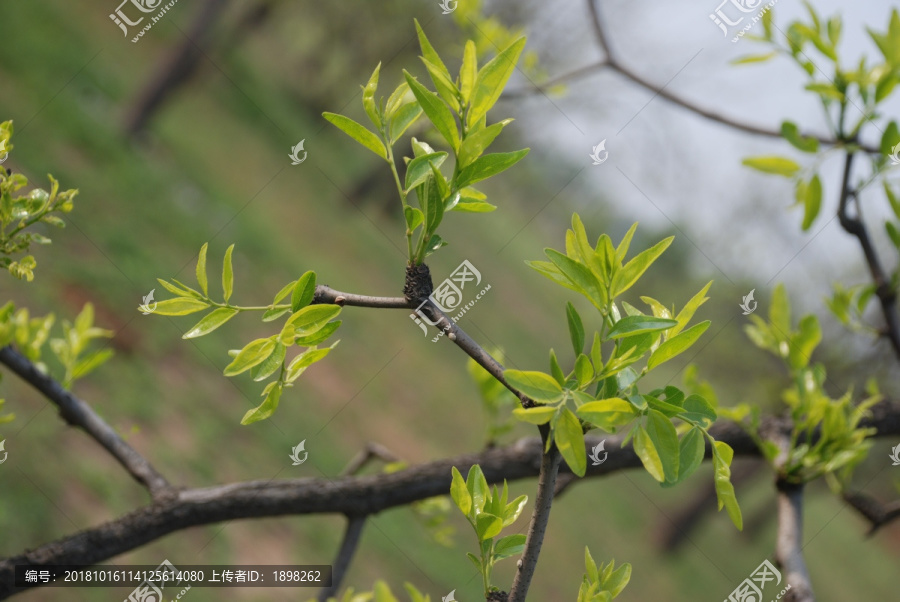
{"points": [[78, 413], [352, 496], [345, 554]]}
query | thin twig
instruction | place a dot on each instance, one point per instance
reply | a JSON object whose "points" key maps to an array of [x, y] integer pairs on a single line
{"points": [[326, 294], [874, 511], [887, 297], [369, 452], [539, 519], [341, 562], [78, 413]]}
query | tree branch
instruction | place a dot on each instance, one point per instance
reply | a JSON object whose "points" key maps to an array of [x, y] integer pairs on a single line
{"points": [[877, 513], [345, 554], [326, 294], [78, 413], [887, 297], [789, 546], [352, 496], [371, 450], [539, 519]]}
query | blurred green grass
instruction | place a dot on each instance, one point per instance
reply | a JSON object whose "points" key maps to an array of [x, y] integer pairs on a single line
{"points": [[213, 168]]}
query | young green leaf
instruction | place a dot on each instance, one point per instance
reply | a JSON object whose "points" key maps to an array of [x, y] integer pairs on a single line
{"points": [[540, 387], [569, 439], [487, 525], [584, 372], [369, 99], [414, 217], [468, 71], [781, 166], [662, 432], [303, 292], [639, 264], [722, 455], [581, 277], [489, 165], [436, 111], [812, 202], [358, 133], [227, 274], [632, 325], [576, 328], [303, 361], [179, 306], [791, 133], [266, 408], [646, 451], [511, 545], [310, 319], [252, 354], [676, 345], [403, 118], [460, 493], [691, 452], [698, 409], [535, 415], [318, 336], [201, 269], [687, 312], [210, 322], [478, 488], [555, 369], [428, 50], [419, 169], [607, 414], [475, 144], [268, 366], [492, 79], [444, 85]]}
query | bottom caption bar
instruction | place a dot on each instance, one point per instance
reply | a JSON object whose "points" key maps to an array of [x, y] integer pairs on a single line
{"points": [[165, 578]]}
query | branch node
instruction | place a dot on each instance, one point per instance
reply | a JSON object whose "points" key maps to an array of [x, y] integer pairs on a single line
{"points": [[418, 283]]}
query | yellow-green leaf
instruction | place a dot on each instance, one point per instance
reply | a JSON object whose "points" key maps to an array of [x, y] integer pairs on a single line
{"points": [[179, 306], [358, 133], [201, 270], [227, 274], [569, 439], [538, 386], [210, 322], [252, 354], [677, 345]]}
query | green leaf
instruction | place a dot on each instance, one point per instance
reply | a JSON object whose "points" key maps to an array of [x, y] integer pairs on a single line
{"points": [[889, 42], [201, 270], [555, 370], [419, 169], [268, 366], [616, 581], [284, 292], [227, 274], [791, 133], [414, 217], [698, 409], [890, 138], [444, 85], [722, 455], [492, 79], [434, 243], [266, 408], [569, 439], [310, 319], [584, 372], [475, 144], [513, 509], [179, 306], [369, 98], [489, 165], [754, 58], [84, 367], [691, 452], [774, 165], [576, 328], [804, 342], [436, 111], [428, 51], [210, 322], [780, 313], [252, 354], [538, 386], [273, 313], [358, 133], [639, 264], [383, 593], [646, 451], [677, 345], [304, 291], [665, 439], [487, 525], [511, 545], [687, 312], [434, 207], [460, 493], [826, 90], [625, 243], [535, 415], [468, 71], [403, 118], [632, 325], [318, 336], [580, 276], [303, 361], [478, 488], [812, 202], [607, 414]]}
